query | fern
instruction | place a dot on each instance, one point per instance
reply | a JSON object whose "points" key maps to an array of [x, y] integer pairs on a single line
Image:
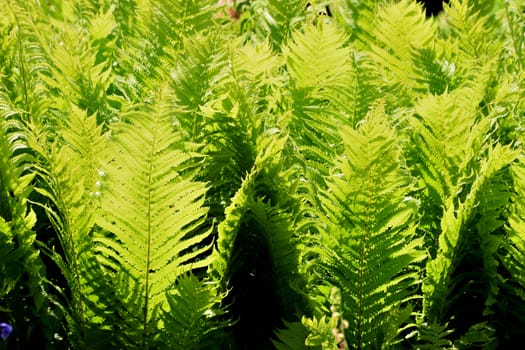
{"points": [[319, 66], [371, 248], [273, 19], [512, 296], [152, 212], [202, 316], [22, 269], [70, 208], [437, 286], [24, 83]]}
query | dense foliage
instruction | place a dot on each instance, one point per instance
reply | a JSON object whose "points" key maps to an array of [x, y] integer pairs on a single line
{"points": [[263, 174]]}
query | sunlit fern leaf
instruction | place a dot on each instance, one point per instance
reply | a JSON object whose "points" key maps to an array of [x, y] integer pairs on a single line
{"points": [[434, 74], [320, 67], [80, 69], [241, 110], [318, 60], [67, 168], [194, 319], [194, 79], [514, 20], [25, 86], [370, 250], [354, 17], [512, 293], [161, 27], [471, 30], [456, 217], [266, 161], [152, 211], [515, 258], [393, 45], [447, 138]]}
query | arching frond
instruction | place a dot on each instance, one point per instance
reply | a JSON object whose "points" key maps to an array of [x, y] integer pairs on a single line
{"points": [[153, 213], [393, 46], [320, 67], [194, 320], [371, 248], [22, 271], [512, 294], [68, 169], [439, 270]]}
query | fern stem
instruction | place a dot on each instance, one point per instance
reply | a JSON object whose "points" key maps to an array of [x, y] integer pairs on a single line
{"points": [[362, 263], [148, 242]]}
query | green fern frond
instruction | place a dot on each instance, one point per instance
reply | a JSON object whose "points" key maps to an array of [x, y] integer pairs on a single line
{"points": [[393, 46], [472, 31], [22, 271], [371, 250], [318, 61], [447, 139], [319, 65], [80, 68], [194, 79], [194, 319], [514, 260], [436, 286], [69, 171], [153, 212], [511, 297], [161, 27], [25, 87]]}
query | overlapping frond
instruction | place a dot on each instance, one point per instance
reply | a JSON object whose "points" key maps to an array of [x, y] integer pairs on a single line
{"points": [[275, 19], [21, 267], [25, 88], [393, 47], [319, 65], [68, 169], [194, 79], [152, 212], [371, 247], [512, 293], [454, 232], [194, 319]]}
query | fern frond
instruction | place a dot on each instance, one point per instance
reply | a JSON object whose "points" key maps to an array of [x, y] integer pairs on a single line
{"points": [[194, 319], [436, 286], [511, 297], [471, 30], [22, 271], [371, 249], [25, 87], [69, 171], [394, 46], [514, 260], [258, 254], [80, 67], [320, 67], [194, 79], [153, 212]]}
